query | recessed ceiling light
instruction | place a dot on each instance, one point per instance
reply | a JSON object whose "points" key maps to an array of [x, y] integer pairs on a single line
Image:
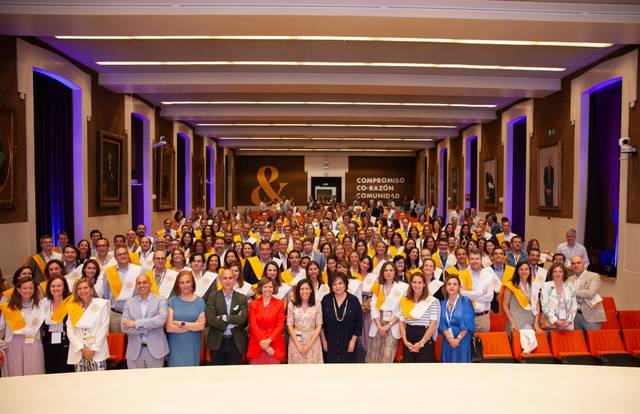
{"points": [[332, 64], [323, 139], [353, 39], [428, 104], [323, 125]]}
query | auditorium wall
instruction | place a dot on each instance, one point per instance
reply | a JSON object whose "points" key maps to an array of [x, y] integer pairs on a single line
{"points": [[95, 109], [563, 117]]}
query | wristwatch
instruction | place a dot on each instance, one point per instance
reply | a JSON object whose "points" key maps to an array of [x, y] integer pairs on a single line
{"points": [[182, 324]]}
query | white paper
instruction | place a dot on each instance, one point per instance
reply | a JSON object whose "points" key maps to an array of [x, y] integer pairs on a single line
{"points": [[594, 301], [56, 338], [322, 291], [167, 285], [368, 282], [434, 286], [282, 291], [543, 257], [203, 284], [245, 289]]}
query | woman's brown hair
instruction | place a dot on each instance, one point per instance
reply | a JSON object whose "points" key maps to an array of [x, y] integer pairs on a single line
{"points": [[15, 301], [561, 266], [425, 291], [65, 292], [176, 284]]}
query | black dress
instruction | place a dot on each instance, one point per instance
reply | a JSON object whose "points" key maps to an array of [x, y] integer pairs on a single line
{"points": [[55, 355], [339, 333]]}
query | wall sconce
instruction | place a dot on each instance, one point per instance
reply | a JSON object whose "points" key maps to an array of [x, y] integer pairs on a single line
{"points": [[573, 122], [632, 104], [22, 96]]}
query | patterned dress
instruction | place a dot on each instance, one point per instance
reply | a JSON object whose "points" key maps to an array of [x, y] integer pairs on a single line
{"points": [[304, 321]]}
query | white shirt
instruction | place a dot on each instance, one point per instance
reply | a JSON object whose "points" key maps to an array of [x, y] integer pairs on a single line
{"points": [[569, 251], [482, 292]]}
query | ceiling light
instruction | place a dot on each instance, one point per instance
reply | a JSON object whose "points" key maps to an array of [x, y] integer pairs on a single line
{"points": [[323, 139], [428, 104], [327, 149], [493, 42], [324, 125], [347, 64]]}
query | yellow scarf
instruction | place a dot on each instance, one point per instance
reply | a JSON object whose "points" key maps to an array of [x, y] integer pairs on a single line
{"points": [[14, 317], [75, 311], [114, 281], [40, 262], [60, 311], [520, 296], [256, 265], [377, 290], [7, 293], [508, 273], [407, 306], [465, 278], [286, 277], [154, 284]]}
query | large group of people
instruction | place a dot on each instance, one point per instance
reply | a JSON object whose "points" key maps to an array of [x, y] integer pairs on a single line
{"points": [[360, 283]]}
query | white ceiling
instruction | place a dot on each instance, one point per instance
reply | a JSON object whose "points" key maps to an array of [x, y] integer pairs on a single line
{"points": [[618, 24]]}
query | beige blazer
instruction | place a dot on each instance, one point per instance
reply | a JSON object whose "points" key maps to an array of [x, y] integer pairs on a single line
{"points": [[587, 288]]}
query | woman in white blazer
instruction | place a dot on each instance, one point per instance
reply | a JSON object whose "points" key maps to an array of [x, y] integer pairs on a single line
{"points": [[87, 328]]}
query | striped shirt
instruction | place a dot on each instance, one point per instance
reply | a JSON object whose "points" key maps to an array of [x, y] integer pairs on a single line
{"points": [[431, 314]]}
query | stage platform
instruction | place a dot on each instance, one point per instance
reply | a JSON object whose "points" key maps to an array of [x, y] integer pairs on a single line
{"points": [[326, 389]]}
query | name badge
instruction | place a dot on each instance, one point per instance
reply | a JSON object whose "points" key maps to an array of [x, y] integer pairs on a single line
{"points": [[56, 338], [386, 316], [562, 314], [29, 340], [299, 337], [90, 340]]}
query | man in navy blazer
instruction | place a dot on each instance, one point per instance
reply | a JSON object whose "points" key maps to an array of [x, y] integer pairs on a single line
{"points": [[143, 321]]}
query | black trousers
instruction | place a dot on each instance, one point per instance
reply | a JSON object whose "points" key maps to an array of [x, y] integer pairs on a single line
{"points": [[228, 353], [55, 355], [427, 352]]}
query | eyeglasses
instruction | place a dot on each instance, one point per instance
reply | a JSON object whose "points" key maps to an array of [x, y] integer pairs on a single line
{"points": [[102, 245]]}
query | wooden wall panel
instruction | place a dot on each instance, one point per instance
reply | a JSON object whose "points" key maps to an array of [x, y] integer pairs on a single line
{"points": [[551, 124], [220, 178], [107, 113], [9, 96], [164, 127], [633, 175], [198, 172], [491, 147], [456, 165]]}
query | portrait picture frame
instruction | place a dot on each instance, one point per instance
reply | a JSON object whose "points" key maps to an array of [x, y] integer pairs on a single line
{"points": [[110, 160], [490, 182], [455, 185], [8, 150], [549, 173], [165, 166]]}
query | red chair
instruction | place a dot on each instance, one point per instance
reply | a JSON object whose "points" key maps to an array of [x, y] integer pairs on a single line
{"points": [[611, 322], [495, 346], [569, 347], [498, 322], [438, 348], [632, 341], [607, 345], [629, 319], [540, 355], [117, 347], [609, 304]]}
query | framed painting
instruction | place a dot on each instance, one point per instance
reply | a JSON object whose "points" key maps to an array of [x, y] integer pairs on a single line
{"points": [[110, 158], [549, 176], [7, 156], [455, 185], [165, 160], [490, 181]]}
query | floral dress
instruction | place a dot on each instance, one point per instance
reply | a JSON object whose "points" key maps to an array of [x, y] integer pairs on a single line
{"points": [[304, 321]]}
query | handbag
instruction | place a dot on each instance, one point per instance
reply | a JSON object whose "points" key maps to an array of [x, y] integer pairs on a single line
{"points": [[544, 323], [477, 351]]}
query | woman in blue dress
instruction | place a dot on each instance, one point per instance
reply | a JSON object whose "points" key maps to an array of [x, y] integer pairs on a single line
{"points": [[457, 323], [185, 322]]}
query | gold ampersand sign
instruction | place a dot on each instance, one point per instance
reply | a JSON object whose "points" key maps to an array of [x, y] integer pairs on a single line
{"points": [[264, 184]]}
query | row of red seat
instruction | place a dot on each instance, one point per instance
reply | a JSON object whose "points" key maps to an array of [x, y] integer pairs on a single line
{"points": [[615, 320]]}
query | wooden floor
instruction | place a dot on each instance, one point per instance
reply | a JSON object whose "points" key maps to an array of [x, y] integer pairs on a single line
{"points": [[389, 388]]}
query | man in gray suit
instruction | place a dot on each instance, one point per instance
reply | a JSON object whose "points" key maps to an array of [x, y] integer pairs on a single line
{"points": [[590, 313], [143, 320], [307, 251], [227, 313]]}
